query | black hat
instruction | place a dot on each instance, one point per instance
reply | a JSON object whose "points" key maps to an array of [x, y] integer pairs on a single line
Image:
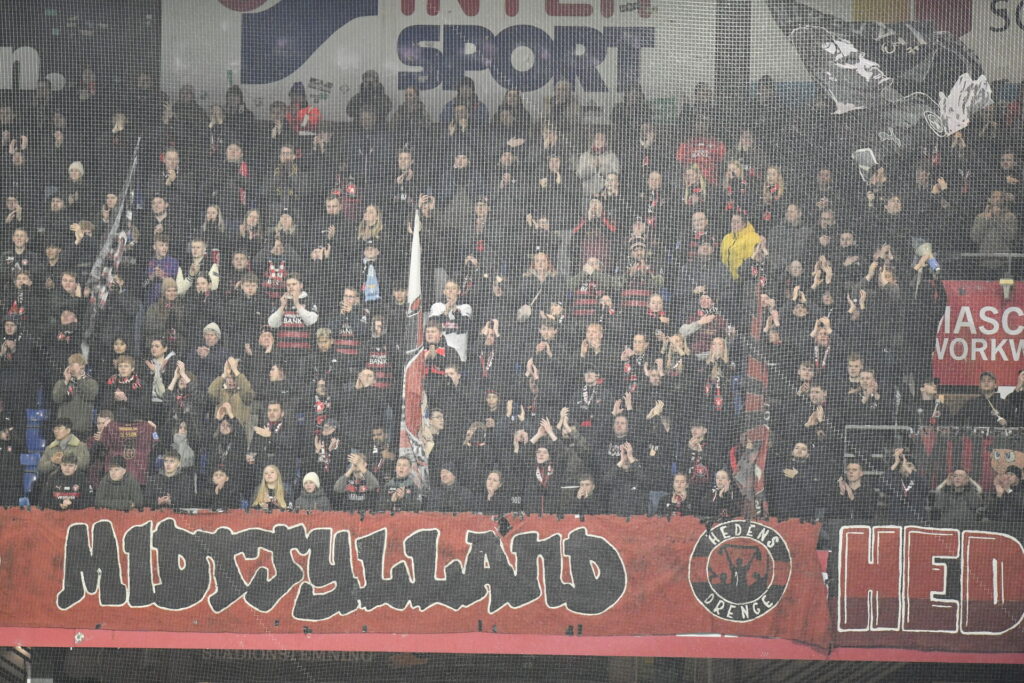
{"points": [[637, 241], [987, 374], [116, 461]]}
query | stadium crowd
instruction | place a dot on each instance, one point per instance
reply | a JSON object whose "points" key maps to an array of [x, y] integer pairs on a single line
{"points": [[624, 314]]}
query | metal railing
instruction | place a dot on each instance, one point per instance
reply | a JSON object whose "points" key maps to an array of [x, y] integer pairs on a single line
{"points": [[956, 263]]}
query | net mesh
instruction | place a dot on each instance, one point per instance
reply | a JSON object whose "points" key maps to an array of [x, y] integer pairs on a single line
{"points": [[651, 258]]}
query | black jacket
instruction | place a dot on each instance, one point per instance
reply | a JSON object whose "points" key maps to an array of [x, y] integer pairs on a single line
{"points": [[75, 488], [180, 487]]}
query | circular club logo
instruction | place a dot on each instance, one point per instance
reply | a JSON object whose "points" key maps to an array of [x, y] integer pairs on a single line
{"points": [[739, 570]]}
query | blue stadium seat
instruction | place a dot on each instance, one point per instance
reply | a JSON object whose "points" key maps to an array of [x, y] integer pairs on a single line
{"points": [[30, 460], [23, 502], [34, 440], [27, 480], [36, 416]]}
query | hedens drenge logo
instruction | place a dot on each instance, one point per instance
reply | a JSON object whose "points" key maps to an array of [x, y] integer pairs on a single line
{"points": [[740, 570]]}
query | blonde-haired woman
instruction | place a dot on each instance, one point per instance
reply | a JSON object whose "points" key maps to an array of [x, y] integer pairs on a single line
{"points": [[695, 187], [371, 226], [736, 187], [716, 395], [212, 229], [250, 234], [272, 493]]}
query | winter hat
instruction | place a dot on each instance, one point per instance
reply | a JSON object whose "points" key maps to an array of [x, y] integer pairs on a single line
{"points": [[313, 477], [117, 461], [213, 327], [637, 241]]}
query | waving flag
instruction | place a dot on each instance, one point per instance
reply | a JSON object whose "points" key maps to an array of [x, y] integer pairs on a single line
{"points": [[909, 79], [413, 398]]}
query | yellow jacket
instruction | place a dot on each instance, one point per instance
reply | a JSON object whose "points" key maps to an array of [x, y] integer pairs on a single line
{"points": [[737, 248]]}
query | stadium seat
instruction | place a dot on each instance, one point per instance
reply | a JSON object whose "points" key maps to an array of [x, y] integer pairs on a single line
{"points": [[30, 461], [34, 441]]}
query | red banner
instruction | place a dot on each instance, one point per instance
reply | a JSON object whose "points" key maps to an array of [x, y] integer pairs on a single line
{"points": [[411, 573], [982, 330], [931, 589]]}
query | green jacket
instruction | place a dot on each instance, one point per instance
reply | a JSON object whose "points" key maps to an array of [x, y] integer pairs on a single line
{"points": [[76, 402], [79, 449]]}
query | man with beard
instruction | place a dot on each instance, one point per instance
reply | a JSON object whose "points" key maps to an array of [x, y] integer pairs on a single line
{"points": [[285, 185]]}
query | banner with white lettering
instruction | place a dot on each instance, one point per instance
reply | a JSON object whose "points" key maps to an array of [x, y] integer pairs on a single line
{"points": [[930, 589], [982, 330], [412, 573]]}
